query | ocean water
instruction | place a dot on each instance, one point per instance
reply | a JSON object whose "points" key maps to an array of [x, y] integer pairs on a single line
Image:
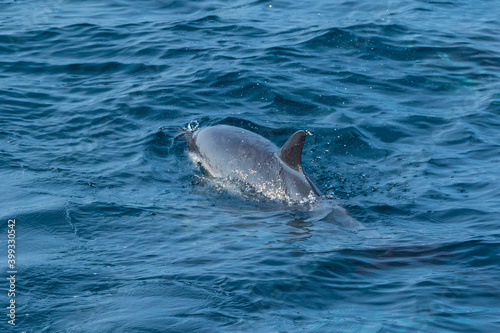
{"points": [[117, 231]]}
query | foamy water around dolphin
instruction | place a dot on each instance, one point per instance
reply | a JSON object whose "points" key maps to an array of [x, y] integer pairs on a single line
{"points": [[117, 231]]}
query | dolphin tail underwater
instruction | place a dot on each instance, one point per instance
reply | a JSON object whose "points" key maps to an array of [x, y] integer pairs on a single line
{"points": [[238, 154]]}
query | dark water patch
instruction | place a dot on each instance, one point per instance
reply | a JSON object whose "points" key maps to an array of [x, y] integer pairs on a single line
{"points": [[196, 24], [81, 217], [347, 141], [83, 69], [283, 55], [331, 38], [494, 105], [160, 144], [386, 135], [83, 28], [424, 122], [330, 100], [18, 101], [251, 126], [290, 106], [251, 92]]}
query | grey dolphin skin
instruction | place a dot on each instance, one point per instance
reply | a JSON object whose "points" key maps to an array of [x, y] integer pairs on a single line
{"points": [[236, 153]]}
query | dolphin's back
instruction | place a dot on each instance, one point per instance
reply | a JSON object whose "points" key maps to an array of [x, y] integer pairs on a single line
{"points": [[232, 152], [224, 149]]}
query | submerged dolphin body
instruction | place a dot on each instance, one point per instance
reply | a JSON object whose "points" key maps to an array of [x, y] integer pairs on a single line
{"points": [[235, 153]]}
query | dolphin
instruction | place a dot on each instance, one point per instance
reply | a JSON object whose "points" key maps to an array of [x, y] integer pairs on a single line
{"points": [[238, 154]]}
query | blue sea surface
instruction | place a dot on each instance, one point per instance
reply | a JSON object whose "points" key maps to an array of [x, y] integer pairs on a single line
{"points": [[116, 230]]}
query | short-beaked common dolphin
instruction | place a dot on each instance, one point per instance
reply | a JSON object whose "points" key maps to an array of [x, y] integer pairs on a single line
{"points": [[236, 153]]}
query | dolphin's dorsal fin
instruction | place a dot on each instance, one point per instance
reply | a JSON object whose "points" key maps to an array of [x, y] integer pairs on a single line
{"points": [[291, 152]]}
